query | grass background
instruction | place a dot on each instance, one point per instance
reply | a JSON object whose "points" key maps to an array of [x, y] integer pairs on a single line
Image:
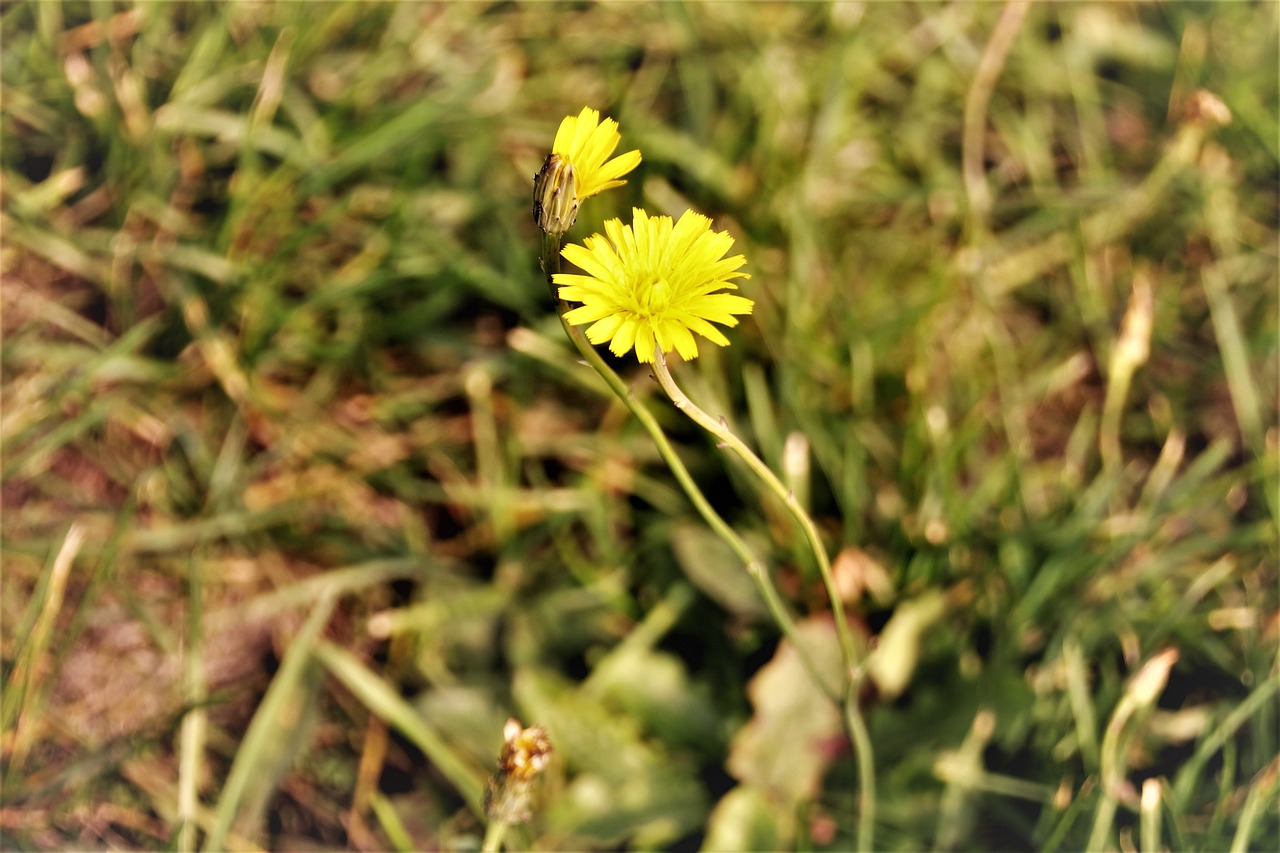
{"points": [[304, 491]]}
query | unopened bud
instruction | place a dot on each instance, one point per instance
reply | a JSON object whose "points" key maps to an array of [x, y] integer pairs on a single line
{"points": [[555, 199]]}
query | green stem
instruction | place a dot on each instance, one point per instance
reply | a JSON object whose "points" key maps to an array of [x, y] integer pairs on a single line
{"points": [[755, 567], [853, 673], [1111, 774], [727, 439], [493, 835], [861, 738]]}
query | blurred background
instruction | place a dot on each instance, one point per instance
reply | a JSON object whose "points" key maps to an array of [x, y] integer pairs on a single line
{"points": [[305, 491]]}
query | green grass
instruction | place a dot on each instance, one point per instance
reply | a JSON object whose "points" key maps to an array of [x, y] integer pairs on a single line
{"points": [[305, 492]]}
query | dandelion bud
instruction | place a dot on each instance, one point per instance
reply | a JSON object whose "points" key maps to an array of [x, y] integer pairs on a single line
{"points": [[525, 754], [555, 200]]}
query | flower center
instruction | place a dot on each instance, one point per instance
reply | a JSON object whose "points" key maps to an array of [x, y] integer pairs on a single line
{"points": [[654, 295]]}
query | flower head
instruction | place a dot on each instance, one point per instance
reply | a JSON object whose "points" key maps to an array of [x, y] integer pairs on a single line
{"points": [[576, 169], [653, 284], [587, 142], [509, 797], [525, 752]]}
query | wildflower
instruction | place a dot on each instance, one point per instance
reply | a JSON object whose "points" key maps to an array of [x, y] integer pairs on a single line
{"points": [[577, 169], [587, 142], [653, 284]]}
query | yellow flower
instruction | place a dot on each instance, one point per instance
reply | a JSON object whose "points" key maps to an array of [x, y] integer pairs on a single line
{"points": [[576, 169], [587, 142], [654, 284]]}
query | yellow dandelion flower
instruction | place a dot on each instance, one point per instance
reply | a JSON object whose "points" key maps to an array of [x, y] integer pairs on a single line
{"points": [[577, 169], [653, 284], [586, 142]]}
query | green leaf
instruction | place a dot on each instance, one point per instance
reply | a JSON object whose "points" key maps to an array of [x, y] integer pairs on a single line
{"points": [[712, 567]]}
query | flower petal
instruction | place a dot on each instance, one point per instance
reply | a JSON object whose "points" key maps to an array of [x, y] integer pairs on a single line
{"points": [[587, 142]]}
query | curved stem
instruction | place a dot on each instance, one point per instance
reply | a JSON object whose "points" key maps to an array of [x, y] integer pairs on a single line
{"points": [[866, 765], [755, 567], [727, 438], [858, 733]]}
